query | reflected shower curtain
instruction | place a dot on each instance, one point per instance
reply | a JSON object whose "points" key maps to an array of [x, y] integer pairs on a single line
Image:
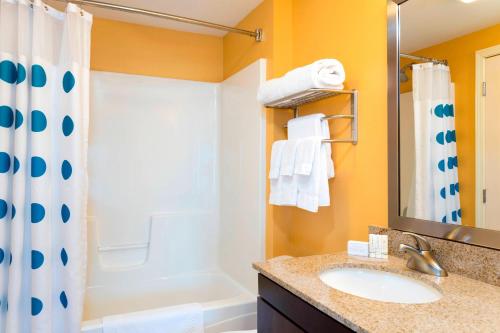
{"points": [[44, 94], [436, 189]]}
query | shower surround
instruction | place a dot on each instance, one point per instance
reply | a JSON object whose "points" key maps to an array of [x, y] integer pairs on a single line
{"points": [[176, 196]]}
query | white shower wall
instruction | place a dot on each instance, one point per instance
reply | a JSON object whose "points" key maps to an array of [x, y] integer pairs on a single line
{"points": [[243, 167], [153, 159], [159, 151]]}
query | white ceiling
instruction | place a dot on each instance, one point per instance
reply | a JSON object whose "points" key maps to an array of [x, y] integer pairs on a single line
{"points": [[429, 22], [226, 12]]}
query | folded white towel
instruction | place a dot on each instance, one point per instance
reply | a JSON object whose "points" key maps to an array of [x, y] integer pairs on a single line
{"points": [[283, 187], [312, 189], [325, 73], [284, 191], [176, 319], [305, 126], [276, 153], [304, 157], [305, 167], [288, 158], [313, 126]]}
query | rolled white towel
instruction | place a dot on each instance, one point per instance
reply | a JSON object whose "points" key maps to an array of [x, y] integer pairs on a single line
{"points": [[325, 73]]}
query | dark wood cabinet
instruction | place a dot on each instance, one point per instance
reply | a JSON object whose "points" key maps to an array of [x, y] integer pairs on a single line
{"points": [[280, 311]]}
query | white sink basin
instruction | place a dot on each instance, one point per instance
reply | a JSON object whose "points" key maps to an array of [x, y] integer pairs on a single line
{"points": [[379, 285]]}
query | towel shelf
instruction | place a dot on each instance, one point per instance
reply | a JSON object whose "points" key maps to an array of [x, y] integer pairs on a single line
{"points": [[316, 94], [305, 97]]}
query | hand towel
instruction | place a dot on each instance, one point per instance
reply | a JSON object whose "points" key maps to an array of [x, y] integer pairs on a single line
{"points": [[276, 153], [284, 191], [284, 185], [304, 157], [313, 190], [324, 73], [305, 126], [186, 318], [313, 126], [288, 158], [305, 166]]}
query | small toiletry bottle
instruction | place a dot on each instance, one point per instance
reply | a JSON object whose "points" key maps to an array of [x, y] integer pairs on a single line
{"points": [[385, 246], [378, 248], [371, 246]]}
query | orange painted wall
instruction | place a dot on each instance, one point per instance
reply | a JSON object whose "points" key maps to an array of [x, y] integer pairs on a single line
{"points": [[355, 33], [461, 55], [304, 31], [138, 49], [240, 51]]}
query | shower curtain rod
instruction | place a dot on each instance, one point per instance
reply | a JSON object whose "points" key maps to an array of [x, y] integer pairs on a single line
{"points": [[257, 34], [436, 61]]}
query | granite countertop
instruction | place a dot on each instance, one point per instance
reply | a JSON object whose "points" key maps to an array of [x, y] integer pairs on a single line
{"points": [[466, 306]]}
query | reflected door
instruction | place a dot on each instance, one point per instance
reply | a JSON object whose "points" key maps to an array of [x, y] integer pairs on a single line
{"points": [[492, 143]]}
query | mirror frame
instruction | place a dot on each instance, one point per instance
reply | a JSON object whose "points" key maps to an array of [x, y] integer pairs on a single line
{"points": [[462, 234]]}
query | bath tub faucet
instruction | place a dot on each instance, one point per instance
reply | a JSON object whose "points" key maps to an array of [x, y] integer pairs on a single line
{"points": [[421, 257]]}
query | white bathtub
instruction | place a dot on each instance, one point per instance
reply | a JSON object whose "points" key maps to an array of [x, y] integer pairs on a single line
{"points": [[226, 306]]}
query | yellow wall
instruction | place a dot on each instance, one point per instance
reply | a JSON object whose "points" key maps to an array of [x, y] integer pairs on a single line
{"points": [[461, 56], [240, 51], [355, 33], [309, 30], [137, 49]]}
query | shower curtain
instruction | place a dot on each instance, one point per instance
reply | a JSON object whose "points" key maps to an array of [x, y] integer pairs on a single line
{"points": [[436, 189], [44, 106]]}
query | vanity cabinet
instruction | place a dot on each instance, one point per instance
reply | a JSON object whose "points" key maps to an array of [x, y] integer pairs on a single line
{"points": [[280, 311]]}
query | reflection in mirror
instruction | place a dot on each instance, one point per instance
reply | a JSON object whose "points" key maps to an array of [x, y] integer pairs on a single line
{"points": [[450, 111]]}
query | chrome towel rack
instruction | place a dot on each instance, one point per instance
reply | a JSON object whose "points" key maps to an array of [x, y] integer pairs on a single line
{"points": [[316, 94]]}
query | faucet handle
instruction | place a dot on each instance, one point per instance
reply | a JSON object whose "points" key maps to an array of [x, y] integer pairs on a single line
{"points": [[422, 243]]}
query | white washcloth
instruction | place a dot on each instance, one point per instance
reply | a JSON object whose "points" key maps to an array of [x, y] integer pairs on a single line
{"points": [[325, 73], [283, 187], [186, 318], [288, 158], [276, 153]]}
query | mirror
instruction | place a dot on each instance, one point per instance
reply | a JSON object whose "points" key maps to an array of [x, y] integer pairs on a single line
{"points": [[444, 72]]}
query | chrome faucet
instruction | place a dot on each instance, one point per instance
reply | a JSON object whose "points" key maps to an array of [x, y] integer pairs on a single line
{"points": [[421, 257]]}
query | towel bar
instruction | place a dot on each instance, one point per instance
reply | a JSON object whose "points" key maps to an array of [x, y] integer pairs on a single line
{"points": [[316, 94]]}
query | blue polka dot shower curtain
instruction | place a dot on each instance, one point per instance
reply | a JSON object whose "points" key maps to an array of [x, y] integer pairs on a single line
{"points": [[44, 110], [435, 194]]}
